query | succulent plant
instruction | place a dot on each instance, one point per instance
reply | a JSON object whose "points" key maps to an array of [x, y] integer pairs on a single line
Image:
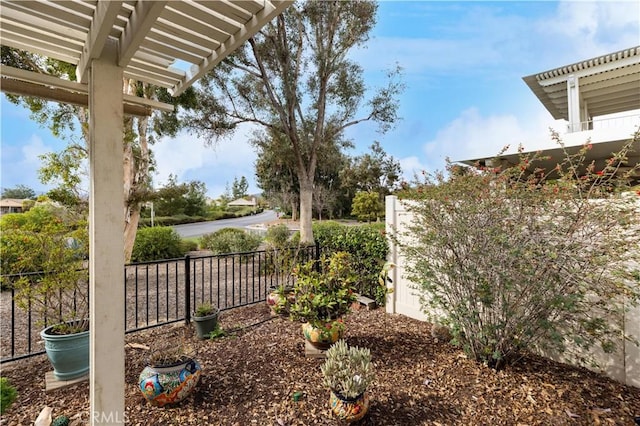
{"points": [[347, 370]]}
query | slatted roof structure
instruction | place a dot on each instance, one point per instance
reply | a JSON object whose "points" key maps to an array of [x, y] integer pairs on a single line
{"points": [[608, 84], [169, 44], [166, 43]]}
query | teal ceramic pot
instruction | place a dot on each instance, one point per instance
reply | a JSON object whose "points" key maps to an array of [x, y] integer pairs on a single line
{"points": [[169, 384], [68, 353]]}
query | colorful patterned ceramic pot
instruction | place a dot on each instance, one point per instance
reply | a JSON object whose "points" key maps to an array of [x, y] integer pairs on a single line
{"points": [[349, 409], [169, 384], [323, 337]]}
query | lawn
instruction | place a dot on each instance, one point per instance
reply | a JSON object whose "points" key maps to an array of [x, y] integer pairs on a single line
{"points": [[250, 377]]}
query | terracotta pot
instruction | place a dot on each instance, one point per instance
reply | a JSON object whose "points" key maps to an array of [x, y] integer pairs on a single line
{"points": [[349, 409], [323, 337], [169, 384]]}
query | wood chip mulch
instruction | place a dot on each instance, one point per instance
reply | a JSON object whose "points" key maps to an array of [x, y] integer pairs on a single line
{"points": [[251, 375]]}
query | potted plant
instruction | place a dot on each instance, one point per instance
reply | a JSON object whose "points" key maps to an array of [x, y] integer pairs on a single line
{"points": [[280, 299], [52, 282], [170, 375], [323, 295], [348, 372], [205, 319]]}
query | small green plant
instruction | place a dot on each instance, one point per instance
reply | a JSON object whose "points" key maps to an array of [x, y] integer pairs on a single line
{"points": [[347, 371], [205, 309], [160, 242], [324, 290], [8, 394], [217, 333]]}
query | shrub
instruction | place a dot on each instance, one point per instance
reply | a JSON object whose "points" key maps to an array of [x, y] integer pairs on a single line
{"points": [[230, 240], [368, 247], [366, 206], [157, 243], [8, 394], [278, 236], [188, 245], [520, 258]]}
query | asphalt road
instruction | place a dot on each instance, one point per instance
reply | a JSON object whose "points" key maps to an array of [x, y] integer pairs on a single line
{"points": [[201, 228]]}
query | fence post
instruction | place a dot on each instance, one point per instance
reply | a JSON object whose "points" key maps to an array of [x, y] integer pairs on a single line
{"points": [[317, 256], [187, 289]]}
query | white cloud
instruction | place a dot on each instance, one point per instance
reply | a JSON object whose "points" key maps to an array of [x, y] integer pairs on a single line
{"points": [[411, 167], [189, 158], [20, 163], [472, 135]]}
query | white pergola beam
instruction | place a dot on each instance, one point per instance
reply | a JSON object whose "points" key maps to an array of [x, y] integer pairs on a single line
{"points": [[103, 20], [72, 86], [142, 19], [271, 9], [617, 67]]}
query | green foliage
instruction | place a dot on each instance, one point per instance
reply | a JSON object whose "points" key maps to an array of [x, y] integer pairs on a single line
{"points": [[8, 394], [174, 199], [278, 236], [368, 247], [366, 206], [187, 245], [520, 258], [54, 241], [324, 289], [19, 192], [347, 371], [240, 188], [157, 243], [205, 309], [230, 240]]}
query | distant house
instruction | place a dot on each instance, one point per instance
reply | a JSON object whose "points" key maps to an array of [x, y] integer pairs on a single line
{"points": [[243, 202], [10, 205]]}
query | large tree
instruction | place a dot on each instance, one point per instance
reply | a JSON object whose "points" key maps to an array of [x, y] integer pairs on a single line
{"points": [[374, 171], [64, 168], [20, 192], [295, 79]]}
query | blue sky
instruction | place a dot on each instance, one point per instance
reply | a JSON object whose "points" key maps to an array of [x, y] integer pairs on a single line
{"points": [[463, 66]]}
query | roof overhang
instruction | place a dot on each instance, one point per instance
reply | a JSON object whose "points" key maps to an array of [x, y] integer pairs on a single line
{"points": [[608, 84], [170, 44], [598, 153]]}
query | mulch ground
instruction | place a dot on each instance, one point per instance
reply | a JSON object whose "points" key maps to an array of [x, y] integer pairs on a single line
{"points": [[250, 376]]}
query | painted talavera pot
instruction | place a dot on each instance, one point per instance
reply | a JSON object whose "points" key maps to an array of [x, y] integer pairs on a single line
{"points": [[169, 384], [323, 337], [68, 353], [349, 409]]}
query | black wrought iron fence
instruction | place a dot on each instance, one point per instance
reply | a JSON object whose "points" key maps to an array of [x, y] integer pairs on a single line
{"points": [[167, 291]]}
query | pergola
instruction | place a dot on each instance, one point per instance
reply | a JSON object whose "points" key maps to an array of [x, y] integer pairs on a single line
{"points": [[169, 44]]}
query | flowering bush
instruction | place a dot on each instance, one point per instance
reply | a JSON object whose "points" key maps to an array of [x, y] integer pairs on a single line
{"points": [[518, 257], [324, 290]]}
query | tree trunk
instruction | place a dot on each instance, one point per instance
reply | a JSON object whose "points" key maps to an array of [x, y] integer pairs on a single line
{"points": [[306, 211]]}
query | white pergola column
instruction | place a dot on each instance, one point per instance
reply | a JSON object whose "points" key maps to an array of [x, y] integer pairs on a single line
{"points": [[106, 240], [573, 107]]}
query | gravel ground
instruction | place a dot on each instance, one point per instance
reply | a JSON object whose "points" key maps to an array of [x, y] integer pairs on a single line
{"points": [[249, 378]]}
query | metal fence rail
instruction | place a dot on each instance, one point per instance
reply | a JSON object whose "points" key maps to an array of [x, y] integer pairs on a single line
{"points": [[166, 291]]}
